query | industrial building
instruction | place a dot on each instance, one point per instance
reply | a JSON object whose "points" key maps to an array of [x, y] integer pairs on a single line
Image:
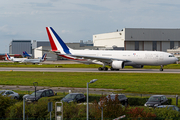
{"points": [[18, 46], [139, 39]]}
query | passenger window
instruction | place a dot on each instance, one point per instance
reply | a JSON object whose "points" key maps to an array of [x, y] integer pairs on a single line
{"points": [[50, 91], [43, 94], [78, 97], [162, 98], [47, 93]]}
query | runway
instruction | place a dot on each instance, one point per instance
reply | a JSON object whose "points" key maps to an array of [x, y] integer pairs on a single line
{"points": [[90, 70]]}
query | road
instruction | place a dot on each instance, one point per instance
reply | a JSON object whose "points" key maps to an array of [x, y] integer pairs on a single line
{"points": [[90, 70]]}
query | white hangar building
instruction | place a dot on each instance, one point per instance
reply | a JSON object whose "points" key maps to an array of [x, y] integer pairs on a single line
{"points": [[139, 39]]}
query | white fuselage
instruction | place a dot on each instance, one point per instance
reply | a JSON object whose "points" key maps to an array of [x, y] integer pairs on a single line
{"points": [[135, 57], [18, 59], [32, 61]]}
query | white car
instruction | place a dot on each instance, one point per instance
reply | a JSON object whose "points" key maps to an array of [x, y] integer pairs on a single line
{"points": [[9, 93]]}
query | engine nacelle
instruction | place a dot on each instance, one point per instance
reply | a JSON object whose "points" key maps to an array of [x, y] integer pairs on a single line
{"points": [[138, 66], [118, 64]]}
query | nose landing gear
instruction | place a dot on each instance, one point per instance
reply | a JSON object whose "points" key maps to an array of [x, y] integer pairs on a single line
{"points": [[161, 69]]}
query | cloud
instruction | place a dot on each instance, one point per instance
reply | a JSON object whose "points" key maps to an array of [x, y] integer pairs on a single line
{"points": [[7, 31], [94, 7], [47, 4], [65, 31]]}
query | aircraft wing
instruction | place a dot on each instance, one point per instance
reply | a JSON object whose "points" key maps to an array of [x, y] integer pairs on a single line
{"points": [[50, 51], [101, 59]]}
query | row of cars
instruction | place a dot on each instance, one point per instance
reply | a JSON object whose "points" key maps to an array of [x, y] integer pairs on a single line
{"points": [[35, 96], [72, 97], [158, 101]]}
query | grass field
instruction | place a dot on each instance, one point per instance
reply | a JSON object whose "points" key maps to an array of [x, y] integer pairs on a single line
{"points": [[128, 82]]}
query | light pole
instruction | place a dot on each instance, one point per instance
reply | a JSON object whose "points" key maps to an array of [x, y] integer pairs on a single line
{"points": [[35, 85], [92, 81]]}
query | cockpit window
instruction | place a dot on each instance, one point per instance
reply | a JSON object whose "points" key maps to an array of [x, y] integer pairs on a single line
{"points": [[171, 55]]}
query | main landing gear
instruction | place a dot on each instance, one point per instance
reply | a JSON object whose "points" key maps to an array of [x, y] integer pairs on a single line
{"points": [[106, 69], [102, 68], [161, 69]]}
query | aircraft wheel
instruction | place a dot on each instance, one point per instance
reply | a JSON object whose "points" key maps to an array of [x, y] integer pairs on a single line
{"points": [[105, 68], [15, 98], [112, 69], [100, 68]]}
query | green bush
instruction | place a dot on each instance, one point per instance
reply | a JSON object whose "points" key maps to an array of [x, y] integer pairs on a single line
{"points": [[137, 101], [15, 111], [5, 102], [21, 97], [33, 110], [74, 111], [167, 114], [52, 98], [93, 98]]}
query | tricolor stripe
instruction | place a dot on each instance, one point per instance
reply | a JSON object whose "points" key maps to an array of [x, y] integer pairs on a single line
{"points": [[53, 46], [8, 57], [72, 58], [56, 41]]}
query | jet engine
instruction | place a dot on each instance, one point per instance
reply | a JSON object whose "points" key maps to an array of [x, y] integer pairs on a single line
{"points": [[138, 66], [117, 64]]}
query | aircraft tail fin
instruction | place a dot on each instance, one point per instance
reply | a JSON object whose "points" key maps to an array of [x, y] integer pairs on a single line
{"points": [[8, 57], [25, 54], [44, 57], [56, 42]]}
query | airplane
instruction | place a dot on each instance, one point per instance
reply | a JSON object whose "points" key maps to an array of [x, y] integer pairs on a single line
{"points": [[25, 54], [113, 58], [14, 59], [34, 61]]}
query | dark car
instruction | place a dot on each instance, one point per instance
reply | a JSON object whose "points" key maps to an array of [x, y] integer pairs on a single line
{"points": [[74, 97], [39, 94], [173, 107], [156, 100], [121, 97]]}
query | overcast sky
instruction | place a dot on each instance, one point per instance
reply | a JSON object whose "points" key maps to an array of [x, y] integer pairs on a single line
{"points": [[76, 20]]}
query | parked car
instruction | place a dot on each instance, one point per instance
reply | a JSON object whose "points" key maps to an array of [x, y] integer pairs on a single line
{"points": [[173, 107], [74, 97], [10, 93], [156, 100], [39, 94], [121, 97]]}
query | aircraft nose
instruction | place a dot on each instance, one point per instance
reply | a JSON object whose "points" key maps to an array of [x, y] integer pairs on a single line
{"points": [[176, 59]]}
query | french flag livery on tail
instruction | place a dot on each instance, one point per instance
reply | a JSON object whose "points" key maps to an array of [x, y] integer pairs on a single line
{"points": [[113, 58], [59, 47], [56, 42], [8, 57]]}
